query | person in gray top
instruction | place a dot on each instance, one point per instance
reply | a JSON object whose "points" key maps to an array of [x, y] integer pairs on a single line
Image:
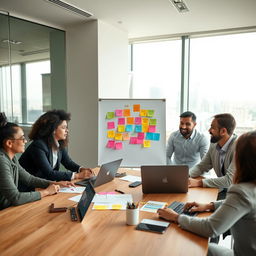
{"points": [[237, 212], [219, 156], [12, 141], [187, 145]]}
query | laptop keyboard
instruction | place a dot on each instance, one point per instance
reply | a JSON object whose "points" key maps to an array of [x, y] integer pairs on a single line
{"points": [[178, 207]]}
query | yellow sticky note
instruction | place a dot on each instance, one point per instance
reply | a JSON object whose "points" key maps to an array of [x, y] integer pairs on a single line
{"points": [[144, 128], [116, 206], [145, 121], [111, 134], [100, 207], [121, 128], [143, 112], [146, 144], [118, 136]]}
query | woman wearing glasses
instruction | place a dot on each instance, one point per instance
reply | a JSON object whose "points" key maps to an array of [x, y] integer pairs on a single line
{"points": [[44, 155], [237, 212], [12, 141]]}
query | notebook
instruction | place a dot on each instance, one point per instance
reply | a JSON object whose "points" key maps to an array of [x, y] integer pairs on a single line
{"points": [[164, 179], [106, 174], [78, 212]]}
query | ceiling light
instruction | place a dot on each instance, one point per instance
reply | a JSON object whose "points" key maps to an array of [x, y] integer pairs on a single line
{"points": [[11, 41], [180, 5], [34, 52]]}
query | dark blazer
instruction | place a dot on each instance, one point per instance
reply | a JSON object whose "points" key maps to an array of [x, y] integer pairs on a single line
{"points": [[37, 160]]}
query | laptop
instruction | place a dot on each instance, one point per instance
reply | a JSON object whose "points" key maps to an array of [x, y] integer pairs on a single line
{"points": [[164, 179], [77, 213], [106, 174]]}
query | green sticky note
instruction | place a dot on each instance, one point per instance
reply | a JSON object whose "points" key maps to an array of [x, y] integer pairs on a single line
{"points": [[151, 112], [152, 121], [110, 115]]}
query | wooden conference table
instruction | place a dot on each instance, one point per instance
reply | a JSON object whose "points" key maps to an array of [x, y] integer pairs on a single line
{"points": [[31, 230]]}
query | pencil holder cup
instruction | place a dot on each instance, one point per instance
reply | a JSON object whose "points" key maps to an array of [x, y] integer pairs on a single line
{"points": [[132, 216]]}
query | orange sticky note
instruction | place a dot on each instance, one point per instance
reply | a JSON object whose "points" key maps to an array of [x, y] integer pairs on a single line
{"points": [[130, 120], [118, 136], [145, 121], [136, 108], [126, 136], [111, 134], [126, 112], [144, 128]]}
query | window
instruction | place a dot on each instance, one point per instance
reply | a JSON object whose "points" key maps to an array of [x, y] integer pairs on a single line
{"points": [[156, 74], [222, 79]]}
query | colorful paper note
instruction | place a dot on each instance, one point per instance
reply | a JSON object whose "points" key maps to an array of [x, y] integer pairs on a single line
{"points": [[119, 112], [118, 145], [143, 112], [140, 141], [110, 115], [144, 128], [137, 120], [121, 120], [130, 120], [111, 125], [156, 136], [121, 128], [138, 128], [111, 134], [126, 136], [111, 144], [136, 108], [146, 144], [141, 135], [133, 140], [128, 128], [127, 112], [145, 121], [152, 121], [151, 112], [152, 128], [118, 136], [149, 136]]}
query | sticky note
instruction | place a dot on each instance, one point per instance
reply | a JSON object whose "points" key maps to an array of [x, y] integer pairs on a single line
{"points": [[146, 144], [152, 128], [137, 120], [152, 121], [145, 120], [110, 115], [151, 112], [128, 128], [111, 134], [127, 112], [120, 128], [111, 144], [140, 141], [156, 136], [100, 207], [118, 136], [116, 206], [118, 145], [138, 128], [126, 136], [136, 108], [133, 140], [141, 135], [144, 128], [130, 120], [111, 125], [143, 112], [121, 120], [119, 112], [149, 136]]}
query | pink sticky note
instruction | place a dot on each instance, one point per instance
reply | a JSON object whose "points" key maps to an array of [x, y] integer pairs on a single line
{"points": [[140, 141], [152, 128], [121, 120], [111, 125], [141, 135], [119, 145], [133, 140], [111, 144], [106, 193], [137, 120], [119, 112]]}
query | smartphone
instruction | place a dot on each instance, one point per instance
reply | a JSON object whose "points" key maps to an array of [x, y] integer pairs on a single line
{"points": [[135, 184]]}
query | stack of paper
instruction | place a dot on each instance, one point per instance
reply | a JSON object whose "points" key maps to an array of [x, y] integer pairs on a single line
{"points": [[153, 206]]}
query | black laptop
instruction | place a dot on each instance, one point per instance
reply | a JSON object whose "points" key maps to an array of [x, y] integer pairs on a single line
{"points": [[106, 174]]}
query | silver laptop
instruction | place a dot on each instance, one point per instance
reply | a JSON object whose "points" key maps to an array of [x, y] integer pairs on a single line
{"points": [[164, 179], [106, 174]]}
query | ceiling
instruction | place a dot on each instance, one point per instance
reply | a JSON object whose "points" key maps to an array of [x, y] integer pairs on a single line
{"points": [[142, 18]]}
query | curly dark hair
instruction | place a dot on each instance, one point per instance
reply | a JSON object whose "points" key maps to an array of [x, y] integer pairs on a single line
{"points": [[245, 158], [7, 129], [46, 124]]}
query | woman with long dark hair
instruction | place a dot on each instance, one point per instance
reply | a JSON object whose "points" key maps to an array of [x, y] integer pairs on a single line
{"points": [[237, 212], [12, 141], [44, 155]]}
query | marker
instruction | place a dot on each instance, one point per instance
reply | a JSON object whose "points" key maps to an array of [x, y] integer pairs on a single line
{"points": [[119, 191]]}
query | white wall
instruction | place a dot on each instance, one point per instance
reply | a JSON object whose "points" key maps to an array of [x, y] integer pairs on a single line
{"points": [[97, 66]]}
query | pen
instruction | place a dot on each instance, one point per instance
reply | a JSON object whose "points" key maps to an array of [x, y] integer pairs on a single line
{"points": [[119, 191]]}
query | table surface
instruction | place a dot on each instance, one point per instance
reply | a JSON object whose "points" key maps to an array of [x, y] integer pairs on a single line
{"points": [[31, 230]]}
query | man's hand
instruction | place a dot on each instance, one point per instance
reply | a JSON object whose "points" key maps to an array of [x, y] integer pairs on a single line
{"points": [[196, 207], [193, 183], [168, 214]]}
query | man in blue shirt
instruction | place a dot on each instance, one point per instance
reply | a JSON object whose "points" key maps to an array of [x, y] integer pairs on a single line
{"points": [[187, 145]]}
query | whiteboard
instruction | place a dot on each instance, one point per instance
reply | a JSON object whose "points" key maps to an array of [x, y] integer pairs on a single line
{"points": [[135, 152]]}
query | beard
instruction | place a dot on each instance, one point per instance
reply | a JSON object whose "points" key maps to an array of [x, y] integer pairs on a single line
{"points": [[185, 132], [215, 139]]}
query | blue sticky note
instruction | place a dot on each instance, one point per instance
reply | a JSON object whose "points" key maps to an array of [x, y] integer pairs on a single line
{"points": [[156, 136], [128, 128], [138, 128], [150, 136]]}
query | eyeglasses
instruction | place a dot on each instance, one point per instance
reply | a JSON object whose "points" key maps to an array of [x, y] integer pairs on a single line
{"points": [[23, 139]]}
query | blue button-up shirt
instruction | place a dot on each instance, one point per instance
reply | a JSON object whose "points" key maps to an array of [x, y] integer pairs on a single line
{"points": [[188, 151]]}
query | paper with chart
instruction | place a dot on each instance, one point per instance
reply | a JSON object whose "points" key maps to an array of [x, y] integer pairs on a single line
{"points": [[153, 206]]}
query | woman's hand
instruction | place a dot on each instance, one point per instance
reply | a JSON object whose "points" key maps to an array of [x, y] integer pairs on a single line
{"points": [[64, 183], [50, 190], [168, 214], [84, 173], [196, 207]]}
